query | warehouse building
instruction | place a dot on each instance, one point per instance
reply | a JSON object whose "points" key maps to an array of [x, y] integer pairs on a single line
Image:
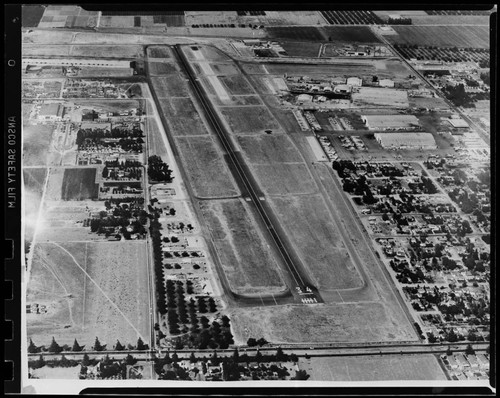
{"points": [[391, 122], [406, 141], [355, 81]]}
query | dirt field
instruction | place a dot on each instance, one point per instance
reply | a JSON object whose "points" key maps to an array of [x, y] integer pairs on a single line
{"points": [[373, 368], [109, 105], [34, 179], [442, 36], [37, 145], [206, 168], [251, 119], [31, 15], [182, 117], [90, 289], [236, 85], [171, 86], [268, 149], [134, 51], [79, 184], [162, 68], [301, 49], [159, 52], [310, 228], [284, 179], [248, 264], [224, 69], [299, 33], [380, 97], [319, 323], [350, 34]]}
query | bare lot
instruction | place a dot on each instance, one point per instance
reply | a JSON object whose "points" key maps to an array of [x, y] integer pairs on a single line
{"points": [[375, 97], [250, 119], [90, 289], [109, 105], [206, 168], [79, 184], [247, 262], [284, 179], [171, 86], [360, 322], [182, 117], [266, 149], [373, 368], [310, 228], [224, 69], [299, 33], [301, 49]]}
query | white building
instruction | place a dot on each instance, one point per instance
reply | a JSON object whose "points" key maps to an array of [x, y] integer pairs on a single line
{"points": [[386, 83], [51, 112], [406, 140], [355, 81], [390, 122]]}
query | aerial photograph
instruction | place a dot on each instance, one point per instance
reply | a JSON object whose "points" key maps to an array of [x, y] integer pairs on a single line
{"points": [[291, 197]]}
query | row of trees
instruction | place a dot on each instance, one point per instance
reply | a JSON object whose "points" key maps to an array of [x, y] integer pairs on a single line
{"points": [[55, 348]]}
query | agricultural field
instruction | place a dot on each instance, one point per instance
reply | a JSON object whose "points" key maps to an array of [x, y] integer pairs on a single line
{"points": [[299, 33], [351, 17], [182, 117], [373, 368], [351, 34], [301, 49], [159, 52], [224, 69], [442, 36], [171, 86], [206, 169], [317, 324], [444, 54], [162, 68], [31, 50], [236, 84], [132, 51], [37, 148], [79, 184], [247, 262], [250, 119], [89, 289], [310, 228], [269, 149], [31, 15]]}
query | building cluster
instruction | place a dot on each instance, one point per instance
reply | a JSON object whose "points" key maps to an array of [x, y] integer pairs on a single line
{"points": [[82, 88], [467, 367]]}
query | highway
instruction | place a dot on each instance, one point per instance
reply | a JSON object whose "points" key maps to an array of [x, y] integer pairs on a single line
{"points": [[240, 174]]}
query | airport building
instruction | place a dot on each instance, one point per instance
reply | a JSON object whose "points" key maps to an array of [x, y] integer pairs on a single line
{"points": [[391, 122], [406, 140]]}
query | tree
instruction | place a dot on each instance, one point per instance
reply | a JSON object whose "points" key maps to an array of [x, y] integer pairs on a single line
{"points": [[251, 342], [281, 356], [159, 170], [77, 347], [262, 341], [40, 362], [301, 375], [119, 346], [32, 348], [85, 360], [130, 360], [54, 347], [449, 352], [140, 345], [98, 346], [192, 358], [469, 350]]}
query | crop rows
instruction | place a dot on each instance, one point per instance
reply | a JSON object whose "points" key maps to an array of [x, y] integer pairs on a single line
{"points": [[351, 17], [457, 12], [445, 54]]}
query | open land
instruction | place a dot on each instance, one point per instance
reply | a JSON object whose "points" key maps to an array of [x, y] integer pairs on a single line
{"points": [[34, 181], [282, 179], [373, 368], [250, 119], [320, 323], [37, 150], [317, 241], [162, 68], [79, 184], [89, 289], [269, 149], [247, 263], [206, 169], [171, 86]]}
